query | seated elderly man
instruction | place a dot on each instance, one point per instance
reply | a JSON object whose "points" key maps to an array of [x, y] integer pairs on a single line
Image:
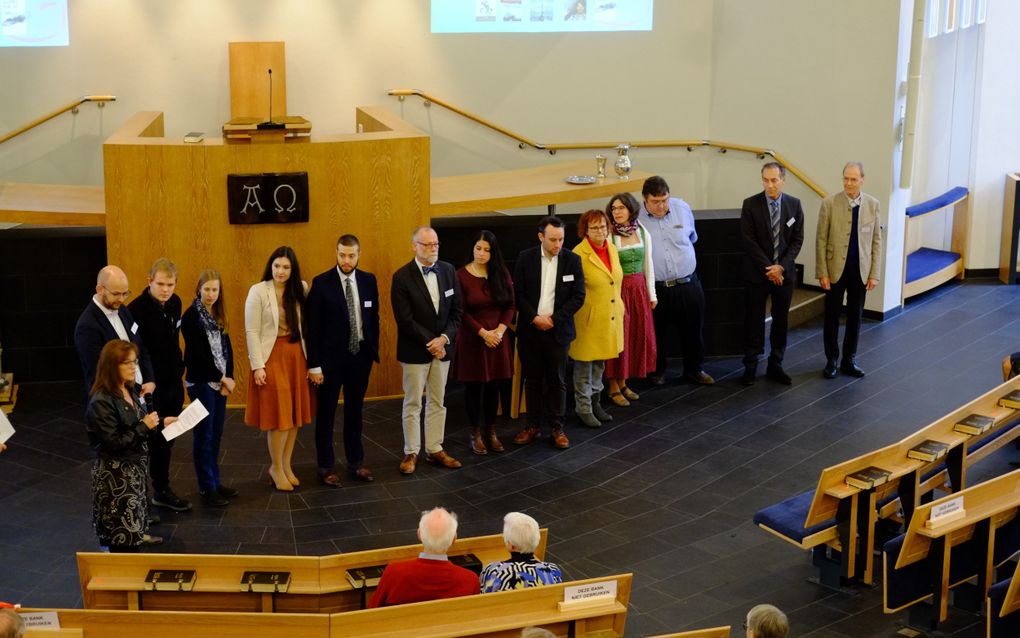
{"points": [[430, 576], [521, 536], [11, 624], [766, 621]]}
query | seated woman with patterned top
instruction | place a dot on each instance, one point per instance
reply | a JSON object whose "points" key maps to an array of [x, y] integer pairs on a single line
{"points": [[521, 536]]}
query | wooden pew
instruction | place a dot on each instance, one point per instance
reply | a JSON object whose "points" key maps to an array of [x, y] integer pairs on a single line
{"points": [[94, 623], [842, 519], [318, 584], [1002, 607], [926, 562], [496, 615], [714, 632]]}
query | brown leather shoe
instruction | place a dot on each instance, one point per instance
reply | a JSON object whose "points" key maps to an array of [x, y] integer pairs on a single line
{"points": [[491, 440], [559, 439], [444, 459], [476, 443], [629, 394], [701, 378], [527, 435], [362, 474], [330, 479], [408, 464]]}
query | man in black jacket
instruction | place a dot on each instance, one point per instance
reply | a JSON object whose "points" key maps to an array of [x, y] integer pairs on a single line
{"points": [[158, 313]]}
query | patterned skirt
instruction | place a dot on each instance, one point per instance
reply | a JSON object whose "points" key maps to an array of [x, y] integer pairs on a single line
{"points": [[638, 356], [285, 401], [119, 504]]}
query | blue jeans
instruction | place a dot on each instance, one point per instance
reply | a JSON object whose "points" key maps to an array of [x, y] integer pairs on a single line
{"points": [[206, 436]]}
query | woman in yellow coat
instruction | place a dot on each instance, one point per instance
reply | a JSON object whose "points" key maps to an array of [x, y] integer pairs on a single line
{"points": [[599, 322]]}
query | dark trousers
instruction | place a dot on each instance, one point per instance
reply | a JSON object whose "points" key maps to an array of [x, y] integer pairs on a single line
{"points": [[481, 399], [352, 376], [169, 401], [680, 314], [850, 284], [755, 296], [544, 362], [206, 436]]}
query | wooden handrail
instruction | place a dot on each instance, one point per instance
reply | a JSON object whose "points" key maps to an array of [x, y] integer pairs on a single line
{"points": [[523, 141], [73, 106]]}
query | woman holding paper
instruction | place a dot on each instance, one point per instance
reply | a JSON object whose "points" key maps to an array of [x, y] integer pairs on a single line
{"points": [[279, 400], [118, 430], [209, 359]]}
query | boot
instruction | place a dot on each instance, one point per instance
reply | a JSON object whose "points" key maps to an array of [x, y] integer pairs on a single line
{"points": [[491, 441], [476, 444]]}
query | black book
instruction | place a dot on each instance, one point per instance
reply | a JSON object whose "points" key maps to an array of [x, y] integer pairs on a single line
{"points": [[974, 424], [171, 579], [265, 582], [928, 450], [360, 577], [867, 478], [467, 561], [1011, 400]]}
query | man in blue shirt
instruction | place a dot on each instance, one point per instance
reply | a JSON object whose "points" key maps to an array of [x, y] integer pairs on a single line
{"points": [[681, 307]]}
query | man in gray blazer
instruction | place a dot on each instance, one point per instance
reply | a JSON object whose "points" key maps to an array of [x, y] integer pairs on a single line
{"points": [[849, 235]]}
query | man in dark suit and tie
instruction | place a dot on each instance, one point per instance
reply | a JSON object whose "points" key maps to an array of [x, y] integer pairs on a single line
{"points": [[343, 343], [772, 230], [549, 288], [427, 307]]}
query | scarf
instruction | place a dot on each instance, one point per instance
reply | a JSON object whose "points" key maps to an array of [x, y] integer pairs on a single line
{"points": [[213, 333], [624, 230]]}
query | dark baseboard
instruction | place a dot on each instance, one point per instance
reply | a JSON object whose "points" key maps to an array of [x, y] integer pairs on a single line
{"points": [[981, 273]]}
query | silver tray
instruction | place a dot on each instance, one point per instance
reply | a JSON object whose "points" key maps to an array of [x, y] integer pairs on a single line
{"points": [[582, 179]]}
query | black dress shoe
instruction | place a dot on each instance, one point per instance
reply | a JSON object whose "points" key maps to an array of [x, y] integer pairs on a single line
{"points": [[169, 500], [830, 370], [850, 367], [226, 492], [750, 376], [777, 374], [213, 499]]}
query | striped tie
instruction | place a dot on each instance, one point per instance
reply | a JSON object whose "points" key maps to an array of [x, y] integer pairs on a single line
{"points": [[353, 345], [774, 214]]}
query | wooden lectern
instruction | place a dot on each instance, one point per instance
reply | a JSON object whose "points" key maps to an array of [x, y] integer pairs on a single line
{"points": [[258, 95]]}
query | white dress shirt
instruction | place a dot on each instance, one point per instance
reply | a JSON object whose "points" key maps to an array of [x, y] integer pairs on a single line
{"points": [[547, 293], [118, 326], [356, 319], [431, 282]]}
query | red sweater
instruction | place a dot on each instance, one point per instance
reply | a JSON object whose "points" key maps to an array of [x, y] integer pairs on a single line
{"points": [[413, 581]]}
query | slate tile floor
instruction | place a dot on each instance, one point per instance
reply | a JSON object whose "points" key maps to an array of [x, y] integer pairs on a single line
{"points": [[667, 490]]}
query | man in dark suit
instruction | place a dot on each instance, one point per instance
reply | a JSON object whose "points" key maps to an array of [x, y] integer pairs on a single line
{"points": [[427, 307], [772, 230], [158, 313], [343, 343], [549, 287]]}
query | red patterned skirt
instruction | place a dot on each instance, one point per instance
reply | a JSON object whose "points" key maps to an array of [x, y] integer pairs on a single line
{"points": [[638, 356], [285, 401]]}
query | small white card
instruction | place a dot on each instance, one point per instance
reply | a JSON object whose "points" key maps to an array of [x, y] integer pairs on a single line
{"points": [[790, 221], [187, 420], [591, 591], [37, 619], [448, 293], [368, 304], [134, 328], [949, 508], [567, 278], [6, 429]]}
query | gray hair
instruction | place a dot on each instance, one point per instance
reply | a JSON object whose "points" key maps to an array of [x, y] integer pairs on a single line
{"points": [[782, 169], [420, 229], [521, 532], [536, 632], [437, 530], [859, 166], [766, 621], [12, 625]]}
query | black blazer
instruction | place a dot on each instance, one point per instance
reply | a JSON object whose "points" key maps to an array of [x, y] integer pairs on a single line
{"points": [[417, 320], [198, 357], [115, 427], [93, 331], [329, 326], [569, 292], [756, 233]]}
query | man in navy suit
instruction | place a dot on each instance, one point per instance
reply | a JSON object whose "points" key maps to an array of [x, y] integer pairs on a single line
{"points": [[772, 229], [427, 307], [549, 287], [343, 343]]}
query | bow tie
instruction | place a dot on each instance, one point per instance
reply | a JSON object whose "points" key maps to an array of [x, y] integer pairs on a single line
{"points": [[434, 268]]}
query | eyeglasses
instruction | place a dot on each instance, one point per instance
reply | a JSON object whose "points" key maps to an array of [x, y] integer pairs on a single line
{"points": [[600, 228], [130, 362], [118, 295], [428, 245]]}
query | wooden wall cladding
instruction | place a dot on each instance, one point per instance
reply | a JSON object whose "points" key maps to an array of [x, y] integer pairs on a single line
{"points": [[168, 198]]}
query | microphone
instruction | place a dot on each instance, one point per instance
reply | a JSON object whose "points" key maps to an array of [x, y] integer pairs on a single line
{"points": [[270, 125]]}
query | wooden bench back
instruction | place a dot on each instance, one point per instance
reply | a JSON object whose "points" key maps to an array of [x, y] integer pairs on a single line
{"points": [[95, 623], [1011, 603], [714, 632]]}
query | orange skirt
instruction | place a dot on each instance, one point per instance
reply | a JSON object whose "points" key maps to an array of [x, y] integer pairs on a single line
{"points": [[285, 401]]}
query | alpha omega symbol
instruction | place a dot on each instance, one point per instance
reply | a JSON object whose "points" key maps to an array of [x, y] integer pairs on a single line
{"points": [[267, 198]]}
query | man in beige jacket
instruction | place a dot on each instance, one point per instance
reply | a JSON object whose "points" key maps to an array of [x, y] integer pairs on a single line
{"points": [[849, 234]]}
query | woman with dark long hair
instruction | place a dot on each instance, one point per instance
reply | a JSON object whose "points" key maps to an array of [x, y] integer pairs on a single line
{"points": [[118, 430], [482, 360], [279, 401], [209, 359]]}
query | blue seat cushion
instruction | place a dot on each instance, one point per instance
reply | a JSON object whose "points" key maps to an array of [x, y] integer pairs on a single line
{"points": [[787, 517], [925, 261], [977, 445], [913, 582], [1008, 627], [936, 203]]}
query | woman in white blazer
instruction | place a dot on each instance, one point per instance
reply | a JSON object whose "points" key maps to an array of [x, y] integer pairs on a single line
{"points": [[279, 399]]}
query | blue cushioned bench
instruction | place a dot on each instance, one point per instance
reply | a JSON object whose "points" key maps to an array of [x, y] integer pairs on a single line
{"points": [[1003, 607], [926, 267], [839, 523]]}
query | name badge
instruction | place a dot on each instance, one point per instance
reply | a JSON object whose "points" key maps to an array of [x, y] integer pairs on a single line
{"points": [[679, 226], [567, 278], [790, 221], [368, 304], [134, 328], [448, 293]]}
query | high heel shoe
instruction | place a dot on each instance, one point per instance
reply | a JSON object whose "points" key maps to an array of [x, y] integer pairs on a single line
{"points": [[281, 486], [293, 480]]}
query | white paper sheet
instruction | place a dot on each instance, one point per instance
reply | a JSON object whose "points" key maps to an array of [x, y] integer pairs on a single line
{"points": [[6, 429], [187, 420]]}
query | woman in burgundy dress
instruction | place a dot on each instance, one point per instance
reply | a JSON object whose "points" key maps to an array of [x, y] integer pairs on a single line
{"points": [[483, 357]]}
